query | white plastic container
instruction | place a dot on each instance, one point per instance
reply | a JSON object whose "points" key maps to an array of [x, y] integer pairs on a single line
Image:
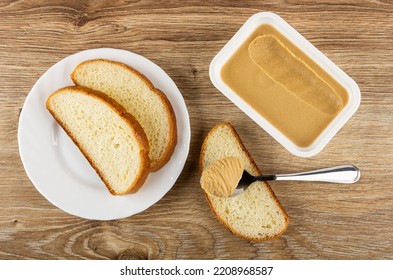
{"points": [[290, 33]]}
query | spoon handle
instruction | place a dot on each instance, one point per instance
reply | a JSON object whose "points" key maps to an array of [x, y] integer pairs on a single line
{"points": [[344, 174]]}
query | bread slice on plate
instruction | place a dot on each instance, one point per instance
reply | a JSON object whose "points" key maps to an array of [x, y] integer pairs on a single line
{"points": [[110, 138], [256, 214], [139, 97]]}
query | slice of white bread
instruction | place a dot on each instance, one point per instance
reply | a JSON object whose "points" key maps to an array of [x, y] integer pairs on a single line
{"points": [[139, 97], [110, 138], [256, 214]]}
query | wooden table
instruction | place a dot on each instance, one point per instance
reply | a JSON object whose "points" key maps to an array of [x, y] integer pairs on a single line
{"points": [[327, 221]]}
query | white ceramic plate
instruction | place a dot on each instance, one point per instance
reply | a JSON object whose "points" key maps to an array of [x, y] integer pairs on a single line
{"points": [[58, 169], [290, 33]]}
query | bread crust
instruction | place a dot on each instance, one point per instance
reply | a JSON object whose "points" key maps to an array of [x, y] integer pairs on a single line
{"points": [[241, 145], [171, 117], [237, 137], [132, 123]]}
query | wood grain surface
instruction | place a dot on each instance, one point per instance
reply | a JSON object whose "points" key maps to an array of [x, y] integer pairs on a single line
{"points": [[327, 221]]}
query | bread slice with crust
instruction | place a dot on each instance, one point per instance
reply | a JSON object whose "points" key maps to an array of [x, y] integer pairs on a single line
{"points": [[110, 138], [256, 214], [139, 97]]}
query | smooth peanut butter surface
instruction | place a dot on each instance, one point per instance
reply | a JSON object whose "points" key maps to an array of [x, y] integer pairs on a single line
{"points": [[284, 85], [292, 73], [222, 177]]}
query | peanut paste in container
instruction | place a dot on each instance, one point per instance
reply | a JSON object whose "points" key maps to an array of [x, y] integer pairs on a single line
{"points": [[284, 85]]}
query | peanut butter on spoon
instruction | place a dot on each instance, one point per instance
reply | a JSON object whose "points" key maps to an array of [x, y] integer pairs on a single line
{"points": [[222, 177]]}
